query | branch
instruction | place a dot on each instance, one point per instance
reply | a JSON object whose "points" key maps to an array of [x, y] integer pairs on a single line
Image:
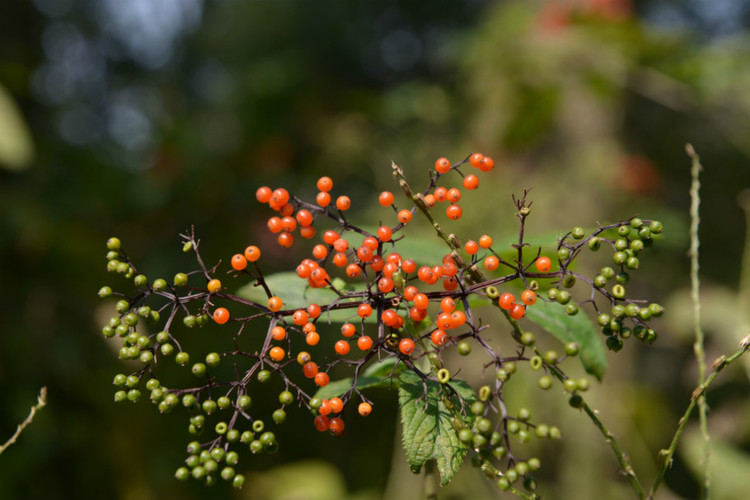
{"points": [[41, 402]]}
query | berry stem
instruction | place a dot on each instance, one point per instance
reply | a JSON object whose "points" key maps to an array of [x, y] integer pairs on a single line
{"points": [[41, 402]]}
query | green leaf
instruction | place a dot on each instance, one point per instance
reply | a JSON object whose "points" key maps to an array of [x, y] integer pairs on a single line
{"points": [[296, 293], [428, 433], [578, 328]]}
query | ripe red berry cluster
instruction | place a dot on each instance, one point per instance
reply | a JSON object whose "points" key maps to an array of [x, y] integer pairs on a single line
{"points": [[375, 304]]}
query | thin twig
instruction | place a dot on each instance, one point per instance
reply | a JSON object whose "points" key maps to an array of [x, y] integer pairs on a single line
{"points": [[41, 402], [665, 456], [695, 295]]}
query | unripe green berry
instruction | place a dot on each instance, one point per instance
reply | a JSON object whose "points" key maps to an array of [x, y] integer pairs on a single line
{"points": [[209, 406], [279, 416], [623, 230], [555, 432], [213, 359], [563, 254], [105, 292], [607, 272], [258, 426], [120, 396], [569, 281], [244, 402], [232, 458], [238, 482], [552, 293], [267, 438], [535, 362], [644, 233], [502, 375], [477, 408], [636, 245], [166, 349], [220, 428], [134, 395], [632, 263], [576, 401], [122, 306], [614, 344], [603, 319], [572, 348], [656, 310], [656, 227], [528, 339], [465, 435], [571, 309], [621, 244], [188, 400], [256, 446], [512, 475], [246, 437], [509, 367], [524, 414], [619, 257], [478, 440], [618, 291], [140, 280], [578, 232], [522, 468], [180, 279], [232, 436], [545, 382], [286, 398], [189, 321], [182, 474], [159, 284], [551, 357], [187, 246], [542, 431], [570, 385], [182, 358], [224, 402], [595, 243], [631, 310], [503, 484], [264, 376], [199, 369], [463, 348], [513, 426], [227, 473], [563, 297], [113, 243], [483, 425]]}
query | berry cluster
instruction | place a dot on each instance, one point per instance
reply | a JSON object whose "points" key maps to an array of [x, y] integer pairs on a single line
{"points": [[387, 317]]}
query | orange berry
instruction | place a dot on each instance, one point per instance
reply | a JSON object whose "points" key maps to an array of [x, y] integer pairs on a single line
{"points": [[320, 251], [440, 193], [491, 262], [348, 330], [385, 284], [450, 283], [300, 317], [439, 337], [371, 243], [312, 338], [278, 333], [409, 292], [287, 210], [544, 264], [389, 269], [459, 318], [471, 182], [341, 347], [325, 184], [239, 262], [417, 314], [252, 253], [406, 346], [454, 195], [389, 317], [275, 304], [313, 310], [409, 265], [421, 301], [304, 217], [274, 224], [325, 407], [487, 164], [214, 285], [384, 233], [323, 199], [444, 321], [330, 237], [442, 165], [289, 223], [340, 259], [307, 232], [310, 369], [343, 203], [454, 212], [276, 353], [321, 423], [386, 198], [404, 216], [263, 194], [309, 327], [476, 159], [364, 409], [279, 197], [336, 426], [285, 239], [221, 315], [321, 379], [517, 311], [471, 247], [506, 301], [485, 241], [364, 343], [377, 263], [448, 304], [528, 297], [353, 270], [336, 405], [429, 199]]}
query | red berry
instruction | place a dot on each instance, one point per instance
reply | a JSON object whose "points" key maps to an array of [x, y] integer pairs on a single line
{"points": [[442, 165], [364, 343], [325, 184], [528, 297], [221, 315], [386, 198], [341, 347], [406, 346], [544, 264]]}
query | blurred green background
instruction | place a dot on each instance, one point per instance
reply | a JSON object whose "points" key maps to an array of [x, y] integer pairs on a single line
{"points": [[140, 119]]}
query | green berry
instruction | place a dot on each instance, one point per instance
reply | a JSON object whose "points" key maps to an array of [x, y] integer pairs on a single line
{"points": [[552, 293], [578, 232], [503, 484], [187, 246], [569, 281], [134, 395], [232, 458], [264, 376], [528, 339], [551, 357], [535, 363], [499, 452], [220, 428], [232, 436], [140, 280], [182, 358], [279, 416], [509, 367], [246, 437], [603, 319], [105, 292], [555, 433], [513, 426], [256, 446], [166, 349], [623, 230], [576, 401], [478, 440], [477, 408], [656, 227], [286, 398], [614, 344], [120, 396], [563, 254], [267, 438], [522, 468], [244, 402], [238, 482], [258, 426], [572, 348], [621, 244], [182, 474], [607, 272], [571, 309], [227, 473], [465, 435], [209, 406], [632, 263], [619, 257], [631, 310], [213, 359], [224, 402], [113, 243], [595, 243], [545, 382], [188, 400], [656, 310], [159, 284], [636, 245], [180, 279], [542, 431], [563, 297], [502, 375], [484, 425], [570, 385], [189, 321], [199, 369], [524, 414], [644, 233], [463, 348]]}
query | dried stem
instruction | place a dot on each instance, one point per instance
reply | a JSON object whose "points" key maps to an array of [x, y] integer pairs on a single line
{"points": [[41, 402]]}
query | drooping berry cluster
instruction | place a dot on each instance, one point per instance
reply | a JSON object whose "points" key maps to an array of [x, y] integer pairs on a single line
{"points": [[375, 307]]}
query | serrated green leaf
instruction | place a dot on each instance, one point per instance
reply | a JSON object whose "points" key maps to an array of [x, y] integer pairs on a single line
{"points": [[428, 433], [579, 328], [295, 293]]}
